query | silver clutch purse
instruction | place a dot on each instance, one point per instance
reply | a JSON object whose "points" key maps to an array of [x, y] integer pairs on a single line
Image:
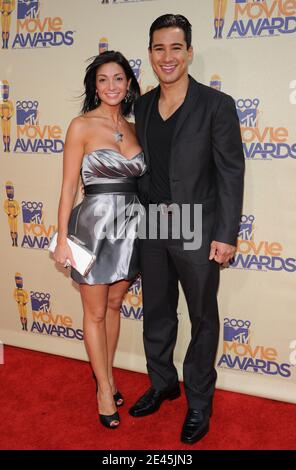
{"points": [[83, 257]]}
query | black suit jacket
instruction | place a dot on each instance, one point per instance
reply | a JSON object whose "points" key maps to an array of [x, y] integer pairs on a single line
{"points": [[207, 160]]}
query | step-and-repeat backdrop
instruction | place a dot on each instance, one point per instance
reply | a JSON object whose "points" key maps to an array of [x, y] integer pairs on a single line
{"points": [[245, 48]]}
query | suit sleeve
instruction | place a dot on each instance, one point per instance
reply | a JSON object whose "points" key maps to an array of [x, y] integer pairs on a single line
{"points": [[143, 181], [229, 167]]}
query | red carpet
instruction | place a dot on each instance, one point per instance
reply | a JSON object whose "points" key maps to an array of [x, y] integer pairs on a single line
{"points": [[49, 402]]}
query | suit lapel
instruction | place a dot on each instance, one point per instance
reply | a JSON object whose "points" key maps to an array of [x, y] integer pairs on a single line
{"points": [[146, 122], [188, 105]]}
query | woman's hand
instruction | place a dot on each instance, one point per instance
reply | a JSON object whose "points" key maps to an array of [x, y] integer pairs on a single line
{"points": [[63, 255]]}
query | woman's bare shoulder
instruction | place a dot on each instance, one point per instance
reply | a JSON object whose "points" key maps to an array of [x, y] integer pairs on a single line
{"points": [[78, 122], [77, 131]]}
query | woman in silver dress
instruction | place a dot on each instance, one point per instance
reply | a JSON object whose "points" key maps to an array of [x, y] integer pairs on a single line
{"points": [[101, 146]]}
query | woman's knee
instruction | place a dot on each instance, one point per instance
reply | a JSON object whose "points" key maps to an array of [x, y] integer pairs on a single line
{"points": [[96, 315], [115, 302]]}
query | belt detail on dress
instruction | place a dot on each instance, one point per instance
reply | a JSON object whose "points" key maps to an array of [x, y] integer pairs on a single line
{"points": [[101, 188]]}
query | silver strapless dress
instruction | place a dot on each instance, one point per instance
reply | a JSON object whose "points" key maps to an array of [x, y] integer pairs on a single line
{"points": [[117, 257]]}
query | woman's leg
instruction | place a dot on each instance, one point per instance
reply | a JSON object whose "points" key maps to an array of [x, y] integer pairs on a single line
{"points": [[115, 298], [94, 300]]}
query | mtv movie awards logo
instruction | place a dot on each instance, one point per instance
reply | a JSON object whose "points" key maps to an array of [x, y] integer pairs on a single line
{"points": [[32, 137], [262, 143], [240, 354], [132, 307], [36, 233], [42, 320], [254, 18], [259, 255], [32, 30]]}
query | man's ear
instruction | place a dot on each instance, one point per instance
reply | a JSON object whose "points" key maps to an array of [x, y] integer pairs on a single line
{"points": [[190, 52]]}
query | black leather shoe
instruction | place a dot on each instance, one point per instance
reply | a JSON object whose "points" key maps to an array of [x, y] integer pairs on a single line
{"points": [[152, 399], [196, 426]]}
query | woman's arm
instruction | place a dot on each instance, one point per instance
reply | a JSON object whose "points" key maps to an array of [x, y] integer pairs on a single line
{"points": [[73, 154]]}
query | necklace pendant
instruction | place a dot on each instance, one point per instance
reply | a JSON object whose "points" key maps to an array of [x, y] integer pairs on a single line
{"points": [[118, 136]]}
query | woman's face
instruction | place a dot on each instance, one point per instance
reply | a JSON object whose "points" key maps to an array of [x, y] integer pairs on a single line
{"points": [[111, 83]]}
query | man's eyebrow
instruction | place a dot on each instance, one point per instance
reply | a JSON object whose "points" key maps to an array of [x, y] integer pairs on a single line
{"points": [[174, 44]]}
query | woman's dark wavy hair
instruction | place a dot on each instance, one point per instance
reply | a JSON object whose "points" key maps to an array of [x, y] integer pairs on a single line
{"points": [[90, 102]]}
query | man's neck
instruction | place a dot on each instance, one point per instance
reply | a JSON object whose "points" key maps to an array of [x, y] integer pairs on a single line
{"points": [[172, 92]]}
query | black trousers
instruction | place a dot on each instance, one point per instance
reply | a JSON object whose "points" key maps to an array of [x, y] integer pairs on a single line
{"points": [[163, 263]]}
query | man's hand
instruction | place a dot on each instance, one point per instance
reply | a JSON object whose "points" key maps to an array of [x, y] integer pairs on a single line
{"points": [[221, 252]]}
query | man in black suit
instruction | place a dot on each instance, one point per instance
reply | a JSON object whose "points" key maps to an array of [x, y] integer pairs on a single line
{"points": [[191, 138]]}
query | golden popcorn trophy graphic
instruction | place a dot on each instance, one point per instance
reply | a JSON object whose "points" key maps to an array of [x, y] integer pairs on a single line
{"points": [[12, 209], [6, 113], [219, 17], [21, 297], [103, 45], [6, 8], [216, 82]]}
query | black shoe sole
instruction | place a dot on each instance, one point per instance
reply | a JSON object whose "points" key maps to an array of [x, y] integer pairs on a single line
{"points": [[196, 438], [173, 396]]}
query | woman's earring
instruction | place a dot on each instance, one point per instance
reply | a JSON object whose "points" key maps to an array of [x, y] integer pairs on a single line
{"points": [[128, 96], [96, 99]]}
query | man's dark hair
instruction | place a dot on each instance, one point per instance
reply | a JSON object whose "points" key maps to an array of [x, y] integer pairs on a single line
{"points": [[170, 21]]}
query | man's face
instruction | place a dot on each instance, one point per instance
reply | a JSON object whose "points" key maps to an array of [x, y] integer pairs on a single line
{"points": [[169, 56]]}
